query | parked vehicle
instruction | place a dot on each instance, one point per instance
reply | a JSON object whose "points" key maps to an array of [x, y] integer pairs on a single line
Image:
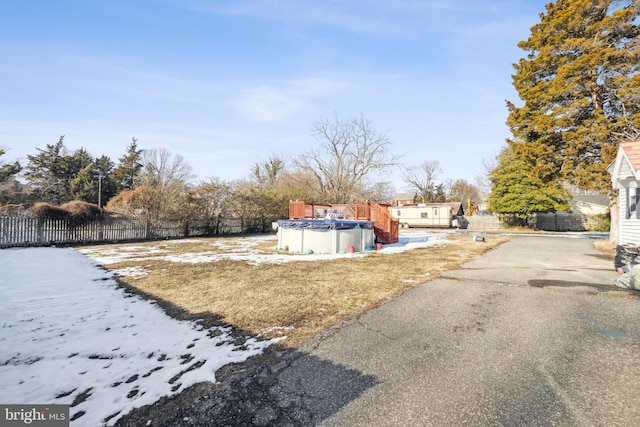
{"points": [[442, 215]]}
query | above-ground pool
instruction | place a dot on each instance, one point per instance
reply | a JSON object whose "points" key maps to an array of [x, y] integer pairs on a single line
{"points": [[330, 236]]}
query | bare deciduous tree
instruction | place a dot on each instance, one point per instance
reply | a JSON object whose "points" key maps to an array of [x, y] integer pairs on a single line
{"points": [[163, 170], [422, 178], [462, 191], [349, 155], [211, 198], [482, 180], [266, 173], [170, 175]]}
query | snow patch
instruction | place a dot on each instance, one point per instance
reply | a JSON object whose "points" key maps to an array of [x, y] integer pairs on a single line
{"points": [[70, 335]]}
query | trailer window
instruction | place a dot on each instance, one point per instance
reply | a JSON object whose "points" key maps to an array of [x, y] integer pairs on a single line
{"points": [[398, 213], [424, 215]]}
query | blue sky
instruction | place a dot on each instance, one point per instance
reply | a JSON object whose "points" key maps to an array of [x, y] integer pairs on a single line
{"points": [[228, 83]]}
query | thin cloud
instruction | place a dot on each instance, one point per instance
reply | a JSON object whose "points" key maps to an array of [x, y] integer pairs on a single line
{"points": [[269, 103], [361, 17], [222, 82]]}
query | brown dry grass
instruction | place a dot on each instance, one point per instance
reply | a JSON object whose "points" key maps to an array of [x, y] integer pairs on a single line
{"points": [[606, 247], [305, 297]]}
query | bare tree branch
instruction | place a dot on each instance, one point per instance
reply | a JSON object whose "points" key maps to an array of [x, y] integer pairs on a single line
{"points": [[422, 178], [349, 154]]}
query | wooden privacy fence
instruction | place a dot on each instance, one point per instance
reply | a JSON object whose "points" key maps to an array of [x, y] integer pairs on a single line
{"points": [[558, 221], [561, 221], [385, 225], [23, 231]]}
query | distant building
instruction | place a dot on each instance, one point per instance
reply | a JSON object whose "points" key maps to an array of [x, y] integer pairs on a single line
{"points": [[428, 215], [589, 205], [404, 199], [456, 208]]}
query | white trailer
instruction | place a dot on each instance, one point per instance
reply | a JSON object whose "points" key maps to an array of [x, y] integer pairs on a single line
{"points": [[442, 215]]}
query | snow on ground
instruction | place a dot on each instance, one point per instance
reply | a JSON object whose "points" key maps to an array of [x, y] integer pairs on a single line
{"points": [[244, 249], [70, 335]]}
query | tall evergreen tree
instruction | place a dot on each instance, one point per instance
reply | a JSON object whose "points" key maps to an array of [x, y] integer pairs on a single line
{"points": [[93, 184], [9, 186], [580, 84], [129, 167], [8, 170], [47, 172], [83, 185], [77, 161], [517, 190], [103, 176]]}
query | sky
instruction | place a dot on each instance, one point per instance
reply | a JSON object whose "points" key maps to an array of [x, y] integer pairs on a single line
{"points": [[68, 327], [226, 84]]}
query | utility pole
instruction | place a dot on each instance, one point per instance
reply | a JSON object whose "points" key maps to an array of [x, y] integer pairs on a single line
{"points": [[100, 190]]}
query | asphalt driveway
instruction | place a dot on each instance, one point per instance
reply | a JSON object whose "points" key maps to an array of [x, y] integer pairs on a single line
{"points": [[531, 334], [482, 346]]}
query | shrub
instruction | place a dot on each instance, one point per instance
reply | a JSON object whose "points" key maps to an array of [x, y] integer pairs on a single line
{"points": [[82, 212], [600, 222], [43, 210], [142, 199], [74, 213]]}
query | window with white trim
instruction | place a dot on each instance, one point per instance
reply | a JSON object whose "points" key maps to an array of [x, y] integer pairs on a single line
{"points": [[633, 198]]}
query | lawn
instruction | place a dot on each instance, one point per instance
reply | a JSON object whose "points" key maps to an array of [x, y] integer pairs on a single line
{"points": [[246, 282]]}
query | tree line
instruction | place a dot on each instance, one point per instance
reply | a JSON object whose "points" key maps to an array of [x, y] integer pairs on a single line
{"points": [[578, 84], [350, 163], [579, 87]]}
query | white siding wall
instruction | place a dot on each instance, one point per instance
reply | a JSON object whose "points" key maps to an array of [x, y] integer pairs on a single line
{"points": [[629, 228], [625, 171]]}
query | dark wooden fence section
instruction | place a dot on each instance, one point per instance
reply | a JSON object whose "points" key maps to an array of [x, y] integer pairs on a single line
{"points": [[23, 231], [562, 221]]}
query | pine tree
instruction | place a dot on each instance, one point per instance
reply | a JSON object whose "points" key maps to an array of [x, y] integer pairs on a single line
{"points": [[103, 176], [517, 190], [47, 172], [129, 167], [9, 186], [83, 186], [580, 84], [8, 170]]}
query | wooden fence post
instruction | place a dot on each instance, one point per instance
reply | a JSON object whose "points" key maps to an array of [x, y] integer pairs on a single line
{"points": [[40, 232]]}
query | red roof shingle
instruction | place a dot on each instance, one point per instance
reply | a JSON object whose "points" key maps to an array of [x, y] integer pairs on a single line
{"points": [[632, 150]]}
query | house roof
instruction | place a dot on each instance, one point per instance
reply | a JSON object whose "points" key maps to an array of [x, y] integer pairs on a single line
{"points": [[593, 199], [632, 150], [405, 196], [455, 206], [626, 165]]}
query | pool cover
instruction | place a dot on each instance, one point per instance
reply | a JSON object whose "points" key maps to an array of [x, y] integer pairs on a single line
{"points": [[324, 224]]}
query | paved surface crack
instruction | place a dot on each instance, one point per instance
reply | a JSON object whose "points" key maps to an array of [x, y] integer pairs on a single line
{"points": [[368, 328]]}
